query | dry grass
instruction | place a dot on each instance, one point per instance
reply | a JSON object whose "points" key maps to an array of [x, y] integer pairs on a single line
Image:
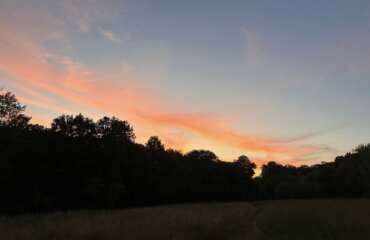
{"points": [[200, 221], [315, 219], [295, 219]]}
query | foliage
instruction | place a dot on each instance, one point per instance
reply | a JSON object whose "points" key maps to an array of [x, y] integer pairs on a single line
{"points": [[347, 176], [155, 145], [246, 164], [74, 126], [11, 111], [113, 128]]}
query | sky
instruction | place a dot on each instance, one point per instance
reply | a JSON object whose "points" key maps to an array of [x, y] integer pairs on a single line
{"points": [[285, 81]]}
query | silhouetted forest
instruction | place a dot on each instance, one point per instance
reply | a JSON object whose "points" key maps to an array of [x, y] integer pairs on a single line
{"points": [[347, 177], [79, 163]]}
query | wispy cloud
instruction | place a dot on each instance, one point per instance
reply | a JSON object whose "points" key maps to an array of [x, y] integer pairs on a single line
{"points": [[218, 131], [87, 14], [110, 36], [81, 12], [323, 131], [252, 47], [250, 40]]}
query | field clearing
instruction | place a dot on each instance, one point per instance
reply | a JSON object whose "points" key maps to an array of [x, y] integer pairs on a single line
{"points": [[315, 219], [182, 222], [290, 219]]}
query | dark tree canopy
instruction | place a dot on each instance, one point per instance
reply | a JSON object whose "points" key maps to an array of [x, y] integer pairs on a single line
{"points": [[115, 129], [203, 155], [246, 164], [11, 111], [347, 176], [74, 126], [154, 144]]}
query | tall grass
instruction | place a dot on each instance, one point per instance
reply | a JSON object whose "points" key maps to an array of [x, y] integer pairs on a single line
{"points": [[201, 221], [293, 219], [315, 219]]}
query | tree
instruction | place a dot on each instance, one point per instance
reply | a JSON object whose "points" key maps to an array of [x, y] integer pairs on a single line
{"points": [[11, 111], [154, 144], [203, 155], [271, 168], [113, 128], [246, 164], [74, 126]]}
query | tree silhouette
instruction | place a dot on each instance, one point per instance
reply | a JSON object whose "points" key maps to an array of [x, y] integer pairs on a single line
{"points": [[74, 126], [246, 164], [203, 155], [11, 111], [114, 128], [155, 145]]}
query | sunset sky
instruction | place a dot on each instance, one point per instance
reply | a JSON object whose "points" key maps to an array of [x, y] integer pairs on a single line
{"points": [[287, 81]]}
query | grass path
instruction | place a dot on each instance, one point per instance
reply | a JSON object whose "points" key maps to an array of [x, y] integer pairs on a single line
{"points": [[255, 226]]}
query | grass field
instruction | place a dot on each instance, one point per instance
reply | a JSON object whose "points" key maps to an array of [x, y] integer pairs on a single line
{"points": [[298, 219], [315, 219]]}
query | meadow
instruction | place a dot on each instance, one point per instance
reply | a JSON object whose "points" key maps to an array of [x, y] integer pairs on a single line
{"points": [[315, 219], [289, 219]]}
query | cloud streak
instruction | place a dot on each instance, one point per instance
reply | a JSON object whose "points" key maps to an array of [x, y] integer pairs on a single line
{"points": [[110, 36], [216, 130], [320, 132], [252, 47]]}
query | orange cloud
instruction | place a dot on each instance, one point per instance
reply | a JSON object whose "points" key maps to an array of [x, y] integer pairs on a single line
{"points": [[217, 131], [37, 69]]}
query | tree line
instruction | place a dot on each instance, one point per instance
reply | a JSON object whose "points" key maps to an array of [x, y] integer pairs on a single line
{"points": [[79, 163], [347, 176]]}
